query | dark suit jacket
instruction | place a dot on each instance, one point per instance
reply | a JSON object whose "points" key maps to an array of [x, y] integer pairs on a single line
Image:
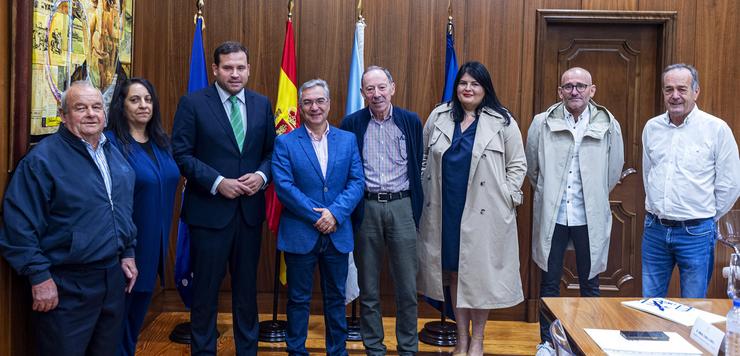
{"points": [[204, 147], [301, 186], [410, 125]]}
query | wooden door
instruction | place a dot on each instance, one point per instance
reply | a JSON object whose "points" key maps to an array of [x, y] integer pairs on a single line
{"points": [[624, 53]]}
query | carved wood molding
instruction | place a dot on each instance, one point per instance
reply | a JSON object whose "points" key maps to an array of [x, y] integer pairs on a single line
{"points": [[20, 92], [665, 19]]}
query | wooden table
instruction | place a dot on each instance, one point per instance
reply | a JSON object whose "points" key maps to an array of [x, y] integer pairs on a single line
{"points": [[608, 313]]}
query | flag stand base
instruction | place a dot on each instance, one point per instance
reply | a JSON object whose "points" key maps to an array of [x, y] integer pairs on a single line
{"points": [[181, 333], [439, 333], [353, 329], [273, 330]]}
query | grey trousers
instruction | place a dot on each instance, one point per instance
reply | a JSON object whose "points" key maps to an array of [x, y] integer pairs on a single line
{"points": [[387, 225]]}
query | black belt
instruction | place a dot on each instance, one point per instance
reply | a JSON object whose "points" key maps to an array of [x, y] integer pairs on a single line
{"points": [[386, 197], [677, 223]]}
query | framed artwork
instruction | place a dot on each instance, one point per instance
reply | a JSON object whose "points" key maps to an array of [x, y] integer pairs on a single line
{"points": [[76, 40]]}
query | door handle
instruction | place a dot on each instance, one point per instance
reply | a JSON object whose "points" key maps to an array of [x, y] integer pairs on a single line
{"points": [[625, 173]]}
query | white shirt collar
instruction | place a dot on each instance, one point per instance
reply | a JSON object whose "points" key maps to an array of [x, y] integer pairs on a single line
{"points": [[224, 95], [667, 119]]}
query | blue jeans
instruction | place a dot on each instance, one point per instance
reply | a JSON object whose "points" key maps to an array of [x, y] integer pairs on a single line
{"points": [[550, 282], [691, 247], [333, 267]]}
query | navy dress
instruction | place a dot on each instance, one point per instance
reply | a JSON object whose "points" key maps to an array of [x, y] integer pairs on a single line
{"points": [[455, 172], [157, 177]]}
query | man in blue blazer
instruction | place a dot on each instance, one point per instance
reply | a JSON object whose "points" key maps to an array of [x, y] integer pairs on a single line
{"points": [[222, 142], [319, 180]]}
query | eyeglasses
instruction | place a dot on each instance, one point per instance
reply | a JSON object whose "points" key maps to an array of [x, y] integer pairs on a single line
{"points": [[579, 86], [309, 103]]}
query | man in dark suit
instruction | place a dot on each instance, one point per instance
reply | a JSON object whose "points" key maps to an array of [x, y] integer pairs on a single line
{"points": [[319, 180], [390, 142], [222, 142]]}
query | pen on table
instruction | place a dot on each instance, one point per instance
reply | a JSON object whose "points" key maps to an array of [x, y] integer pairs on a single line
{"points": [[658, 305]]}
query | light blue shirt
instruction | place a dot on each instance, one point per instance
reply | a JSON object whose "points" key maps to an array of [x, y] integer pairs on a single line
{"points": [[98, 156]]}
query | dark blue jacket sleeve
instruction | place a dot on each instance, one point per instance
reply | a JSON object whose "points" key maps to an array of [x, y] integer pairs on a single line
{"points": [[25, 216], [184, 137]]}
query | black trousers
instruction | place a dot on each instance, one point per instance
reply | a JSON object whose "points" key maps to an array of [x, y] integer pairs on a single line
{"points": [[89, 316], [237, 245], [550, 283]]}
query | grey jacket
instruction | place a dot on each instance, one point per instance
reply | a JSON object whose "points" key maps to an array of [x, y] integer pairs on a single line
{"points": [[601, 157]]}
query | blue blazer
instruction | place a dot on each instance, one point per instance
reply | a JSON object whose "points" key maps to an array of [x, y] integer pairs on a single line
{"points": [[204, 147], [300, 186], [154, 197]]}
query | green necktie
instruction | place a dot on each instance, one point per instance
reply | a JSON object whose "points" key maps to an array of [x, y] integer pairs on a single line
{"points": [[236, 122]]}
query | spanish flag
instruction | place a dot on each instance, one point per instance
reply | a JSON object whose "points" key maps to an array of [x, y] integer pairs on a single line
{"points": [[286, 119]]}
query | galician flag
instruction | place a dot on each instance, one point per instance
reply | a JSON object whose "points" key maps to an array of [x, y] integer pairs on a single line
{"points": [[354, 96], [287, 118], [355, 102]]}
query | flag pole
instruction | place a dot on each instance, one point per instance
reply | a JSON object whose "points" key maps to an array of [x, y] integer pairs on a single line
{"points": [[442, 332], [353, 323], [181, 333], [275, 330]]}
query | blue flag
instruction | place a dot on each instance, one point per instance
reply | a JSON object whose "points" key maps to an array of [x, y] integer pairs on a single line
{"points": [[449, 91], [450, 67], [197, 79], [357, 66]]}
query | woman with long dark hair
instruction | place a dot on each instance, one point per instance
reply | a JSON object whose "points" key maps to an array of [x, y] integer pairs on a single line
{"points": [[135, 128], [472, 173]]}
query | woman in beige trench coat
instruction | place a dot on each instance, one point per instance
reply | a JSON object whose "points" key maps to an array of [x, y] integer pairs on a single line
{"points": [[485, 272]]}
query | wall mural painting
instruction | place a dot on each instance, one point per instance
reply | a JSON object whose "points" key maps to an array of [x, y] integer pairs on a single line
{"points": [[93, 41]]}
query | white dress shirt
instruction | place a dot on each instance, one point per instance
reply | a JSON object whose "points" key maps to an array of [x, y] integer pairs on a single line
{"points": [[572, 211], [690, 171], [321, 148]]}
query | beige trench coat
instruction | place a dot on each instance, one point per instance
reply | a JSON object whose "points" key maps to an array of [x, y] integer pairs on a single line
{"points": [[601, 157], [488, 274]]}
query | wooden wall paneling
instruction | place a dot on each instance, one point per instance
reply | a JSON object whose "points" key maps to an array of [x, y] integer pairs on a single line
{"points": [[324, 48], [686, 24], [15, 72], [619, 5], [6, 273], [387, 40], [526, 114], [424, 81], [715, 45], [494, 33]]}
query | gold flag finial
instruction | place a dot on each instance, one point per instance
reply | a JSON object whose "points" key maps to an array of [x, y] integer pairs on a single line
{"points": [[290, 9], [199, 14], [449, 17], [359, 11]]}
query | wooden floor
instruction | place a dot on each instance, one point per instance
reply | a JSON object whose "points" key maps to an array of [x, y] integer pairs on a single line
{"points": [[502, 338]]}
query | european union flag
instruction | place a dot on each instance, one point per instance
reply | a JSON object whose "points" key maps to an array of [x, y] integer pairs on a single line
{"points": [[197, 79], [450, 67], [449, 91]]}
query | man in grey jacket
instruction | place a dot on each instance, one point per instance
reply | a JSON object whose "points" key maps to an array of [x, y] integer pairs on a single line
{"points": [[574, 159]]}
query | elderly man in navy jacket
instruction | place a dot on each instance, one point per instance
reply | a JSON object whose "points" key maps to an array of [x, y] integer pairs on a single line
{"points": [[69, 230], [390, 144], [318, 178]]}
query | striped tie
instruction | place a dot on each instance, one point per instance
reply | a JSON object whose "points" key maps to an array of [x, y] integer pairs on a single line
{"points": [[236, 122]]}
